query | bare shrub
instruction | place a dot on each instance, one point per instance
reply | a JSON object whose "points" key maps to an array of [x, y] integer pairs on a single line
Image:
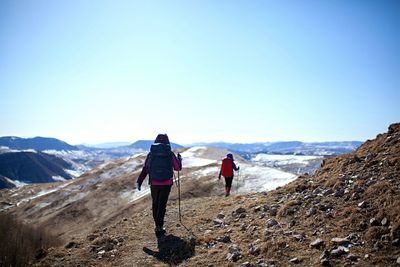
{"points": [[21, 243]]}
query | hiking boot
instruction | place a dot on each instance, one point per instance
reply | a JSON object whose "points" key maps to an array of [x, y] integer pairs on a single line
{"points": [[159, 231], [227, 194]]}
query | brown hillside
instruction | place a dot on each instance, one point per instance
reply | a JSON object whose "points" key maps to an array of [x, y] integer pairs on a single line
{"points": [[346, 214]]}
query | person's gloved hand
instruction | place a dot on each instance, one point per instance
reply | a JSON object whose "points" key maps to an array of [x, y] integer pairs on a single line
{"points": [[238, 167], [139, 186], [219, 177], [179, 157]]}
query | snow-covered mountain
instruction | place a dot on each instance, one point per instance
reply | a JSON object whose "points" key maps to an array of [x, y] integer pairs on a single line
{"points": [[107, 145], [105, 192], [82, 159], [292, 147], [298, 164]]}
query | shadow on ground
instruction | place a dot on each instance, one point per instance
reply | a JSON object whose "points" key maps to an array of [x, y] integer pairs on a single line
{"points": [[172, 249]]}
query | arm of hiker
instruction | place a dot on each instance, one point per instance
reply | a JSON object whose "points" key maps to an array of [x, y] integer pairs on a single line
{"points": [[234, 167], [219, 175], [143, 173], [176, 164]]}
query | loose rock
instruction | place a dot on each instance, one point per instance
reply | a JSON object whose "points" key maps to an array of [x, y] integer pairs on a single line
{"points": [[224, 239], [220, 216], [374, 222], [233, 253], [352, 257], [273, 211], [311, 211], [295, 260], [254, 250], [317, 243], [337, 252], [271, 223], [218, 221], [340, 241], [240, 210]]}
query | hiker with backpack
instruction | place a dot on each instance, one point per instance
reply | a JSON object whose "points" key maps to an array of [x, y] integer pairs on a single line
{"points": [[227, 167], [160, 164]]}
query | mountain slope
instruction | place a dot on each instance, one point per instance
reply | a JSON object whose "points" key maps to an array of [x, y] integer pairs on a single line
{"points": [[5, 183], [107, 191], [32, 167], [347, 213], [36, 143]]}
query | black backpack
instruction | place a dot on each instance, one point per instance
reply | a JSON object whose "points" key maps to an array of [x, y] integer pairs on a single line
{"points": [[160, 162]]}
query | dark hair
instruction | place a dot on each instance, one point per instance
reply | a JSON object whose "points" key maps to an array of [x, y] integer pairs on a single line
{"points": [[162, 139], [229, 155]]}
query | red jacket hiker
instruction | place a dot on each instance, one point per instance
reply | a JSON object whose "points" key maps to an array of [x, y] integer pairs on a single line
{"points": [[227, 167]]}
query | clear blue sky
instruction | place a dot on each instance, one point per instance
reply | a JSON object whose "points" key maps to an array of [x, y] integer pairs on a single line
{"points": [[238, 71]]}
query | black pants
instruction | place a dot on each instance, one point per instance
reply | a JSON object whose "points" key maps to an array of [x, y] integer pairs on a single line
{"points": [[228, 183], [159, 194]]}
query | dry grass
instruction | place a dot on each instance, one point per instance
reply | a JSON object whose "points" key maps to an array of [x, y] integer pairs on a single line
{"points": [[20, 243], [288, 208]]}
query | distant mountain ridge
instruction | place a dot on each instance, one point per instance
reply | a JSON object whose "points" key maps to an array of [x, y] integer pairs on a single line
{"points": [[106, 145], [146, 144], [289, 147], [36, 143]]}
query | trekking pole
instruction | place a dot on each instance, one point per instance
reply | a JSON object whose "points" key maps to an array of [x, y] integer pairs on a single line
{"points": [[179, 198], [237, 182]]}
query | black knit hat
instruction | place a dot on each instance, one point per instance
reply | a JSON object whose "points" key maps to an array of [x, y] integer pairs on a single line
{"points": [[162, 139]]}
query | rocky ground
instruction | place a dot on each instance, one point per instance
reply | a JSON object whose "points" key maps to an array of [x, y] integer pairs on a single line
{"points": [[347, 213]]}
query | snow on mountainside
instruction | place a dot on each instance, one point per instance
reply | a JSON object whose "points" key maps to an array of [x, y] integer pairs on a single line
{"points": [[105, 192], [297, 164], [82, 159], [106, 145], [292, 147], [347, 213]]}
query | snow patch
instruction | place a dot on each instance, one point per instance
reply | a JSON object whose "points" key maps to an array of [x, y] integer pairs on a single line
{"points": [[191, 159], [258, 179], [74, 173], [15, 182], [58, 178], [196, 162], [127, 167], [196, 148], [280, 160], [133, 195], [43, 193], [206, 172]]}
